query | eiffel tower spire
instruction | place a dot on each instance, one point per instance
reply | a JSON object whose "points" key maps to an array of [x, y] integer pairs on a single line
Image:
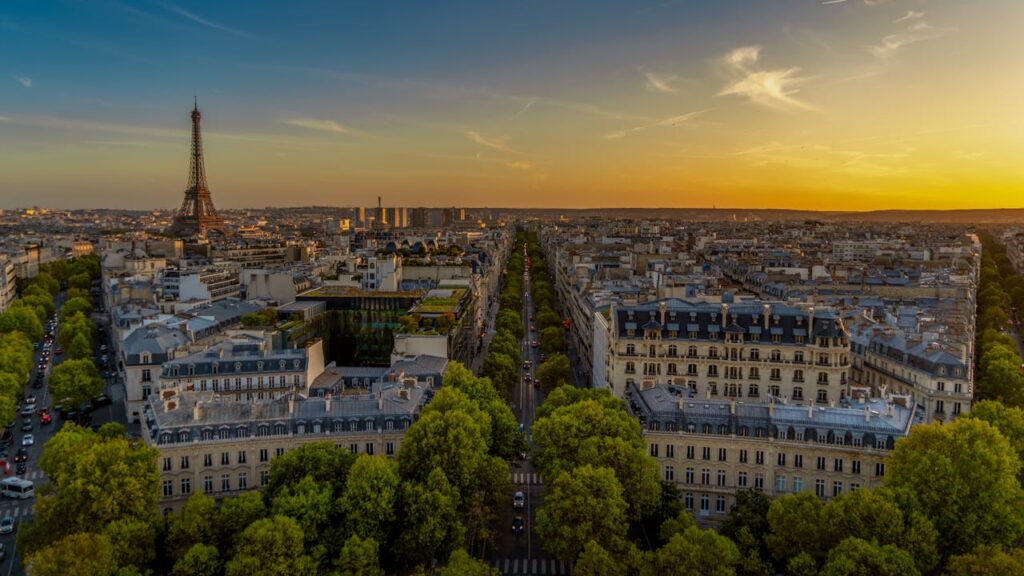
{"points": [[197, 216]]}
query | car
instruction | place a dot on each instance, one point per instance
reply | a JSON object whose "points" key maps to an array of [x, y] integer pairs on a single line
{"points": [[519, 501], [28, 440], [527, 378], [536, 383], [517, 525], [30, 399], [21, 455], [26, 425], [531, 317], [533, 328], [58, 351], [101, 400], [103, 347], [28, 410], [534, 344], [543, 357], [3, 551], [7, 525], [45, 418], [20, 468]]}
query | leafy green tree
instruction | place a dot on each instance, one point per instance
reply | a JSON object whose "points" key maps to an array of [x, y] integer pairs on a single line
{"points": [[371, 497], [359, 557], [669, 528], [21, 319], [856, 557], [322, 461], [270, 547], [75, 306], [200, 560], [80, 554], [552, 340], [548, 318], [554, 371], [964, 477], [511, 321], [747, 521], [1009, 421], [41, 306], [502, 370], [460, 563], [308, 502], [584, 505], [134, 542], [698, 552], [81, 280], [596, 561], [238, 513], [76, 381], [796, 527], [69, 328], [80, 347], [432, 526], [505, 440], [802, 565], [987, 561], [195, 524], [47, 282], [504, 342]]}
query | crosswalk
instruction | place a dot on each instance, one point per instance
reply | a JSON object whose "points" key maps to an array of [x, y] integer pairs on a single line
{"points": [[16, 509], [525, 478], [532, 566]]}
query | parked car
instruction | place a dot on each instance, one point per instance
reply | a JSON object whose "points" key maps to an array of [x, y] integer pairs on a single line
{"points": [[517, 525], [519, 501], [30, 399], [45, 418], [28, 440], [21, 455], [28, 410], [7, 525], [26, 425], [533, 344], [58, 351], [101, 400]]}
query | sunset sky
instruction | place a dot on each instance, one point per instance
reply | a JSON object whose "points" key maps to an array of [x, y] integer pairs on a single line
{"points": [[832, 105]]}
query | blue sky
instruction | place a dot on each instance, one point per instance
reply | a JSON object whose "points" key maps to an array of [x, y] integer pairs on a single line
{"points": [[794, 103]]}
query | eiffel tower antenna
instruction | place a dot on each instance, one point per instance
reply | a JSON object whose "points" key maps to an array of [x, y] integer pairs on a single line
{"points": [[197, 216]]}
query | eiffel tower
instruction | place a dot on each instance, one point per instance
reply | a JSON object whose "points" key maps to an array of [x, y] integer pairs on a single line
{"points": [[197, 216]]}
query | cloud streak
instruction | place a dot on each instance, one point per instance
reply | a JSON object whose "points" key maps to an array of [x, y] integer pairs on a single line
{"points": [[772, 88], [319, 125], [24, 81], [493, 143], [916, 30], [659, 82], [667, 122], [175, 9]]}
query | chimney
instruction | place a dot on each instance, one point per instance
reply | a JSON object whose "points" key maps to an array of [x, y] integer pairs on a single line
{"points": [[327, 402], [867, 413], [197, 412], [661, 312], [681, 403], [767, 312], [888, 408], [725, 313], [771, 408], [732, 407], [291, 403], [810, 324], [810, 410]]}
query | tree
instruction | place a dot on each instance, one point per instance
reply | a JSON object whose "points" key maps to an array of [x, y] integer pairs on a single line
{"points": [[200, 560], [510, 320], [359, 557], [987, 561], [681, 523], [81, 554], [796, 527], [749, 513], [547, 318], [585, 505], [461, 563], [195, 524], [81, 280], [47, 282], [75, 306], [964, 477], [432, 526], [552, 340], [322, 461], [270, 547], [554, 371], [502, 370], [75, 382], [80, 347], [238, 513], [596, 561], [134, 542], [371, 496], [309, 503], [21, 319], [1009, 421], [698, 552], [856, 557]]}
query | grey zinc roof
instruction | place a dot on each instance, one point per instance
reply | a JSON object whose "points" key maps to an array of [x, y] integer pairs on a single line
{"points": [[156, 339]]}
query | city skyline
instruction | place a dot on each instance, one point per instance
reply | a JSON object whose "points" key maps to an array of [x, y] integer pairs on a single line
{"points": [[835, 105]]}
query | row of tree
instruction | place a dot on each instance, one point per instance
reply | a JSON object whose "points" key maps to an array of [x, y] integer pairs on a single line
{"points": [[501, 364], [1000, 302]]}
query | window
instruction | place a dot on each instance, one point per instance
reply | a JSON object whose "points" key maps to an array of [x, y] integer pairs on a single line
{"points": [[630, 350], [691, 369], [146, 391], [743, 456], [705, 503], [184, 462], [147, 376], [670, 474], [798, 484], [225, 459], [705, 476], [264, 455], [956, 408], [781, 459], [353, 448], [389, 449], [720, 504], [630, 368], [780, 484], [819, 488], [654, 450], [369, 448], [264, 477], [855, 466], [168, 489], [820, 464], [741, 479], [775, 374], [186, 486], [880, 469], [167, 464], [755, 354], [721, 478], [208, 484], [822, 396], [279, 451], [207, 460], [798, 375], [837, 488], [688, 500], [241, 456], [838, 465], [798, 460], [759, 457], [689, 452], [854, 486], [705, 453], [243, 481], [722, 455], [759, 481], [689, 475], [225, 483], [798, 393], [713, 370]]}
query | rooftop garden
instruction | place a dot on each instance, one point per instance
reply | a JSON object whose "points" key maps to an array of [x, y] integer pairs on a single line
{"points": [[436, 302]]}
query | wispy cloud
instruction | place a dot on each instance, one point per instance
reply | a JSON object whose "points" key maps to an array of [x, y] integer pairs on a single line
{"points": [[492, 142], [659, 82], [24, 81], [827, 2], [529, 104], [667, 122], [321, 125], [174, 8], [774, 88], [917, 29]]}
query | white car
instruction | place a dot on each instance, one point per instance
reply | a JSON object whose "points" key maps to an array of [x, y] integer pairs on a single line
{"points": [[28, 440], [519, 500], [7, 525]]}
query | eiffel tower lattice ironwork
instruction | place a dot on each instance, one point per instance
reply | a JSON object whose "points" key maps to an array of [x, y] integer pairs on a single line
{"points": [[197, 216]]}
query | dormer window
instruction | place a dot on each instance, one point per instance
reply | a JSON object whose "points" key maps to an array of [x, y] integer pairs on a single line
{"points": [[281, 364]]}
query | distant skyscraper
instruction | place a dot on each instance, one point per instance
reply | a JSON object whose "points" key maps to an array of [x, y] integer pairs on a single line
{"points": [[197, 216], [418, 217]]}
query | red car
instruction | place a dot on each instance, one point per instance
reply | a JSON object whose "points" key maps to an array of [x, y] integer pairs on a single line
{"points": [[45, 418], [58, 351]]}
